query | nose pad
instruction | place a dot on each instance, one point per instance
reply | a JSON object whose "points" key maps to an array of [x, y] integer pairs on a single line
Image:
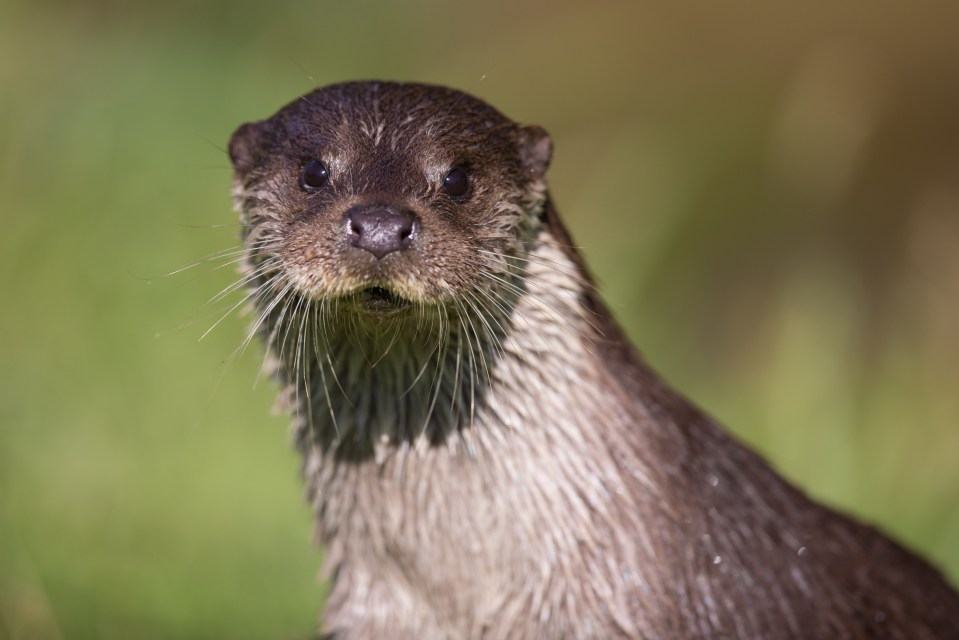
{"points": [[381, 231]]}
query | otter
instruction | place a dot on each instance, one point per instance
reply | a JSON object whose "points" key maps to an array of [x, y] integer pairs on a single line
{"points": [[486, 454]]}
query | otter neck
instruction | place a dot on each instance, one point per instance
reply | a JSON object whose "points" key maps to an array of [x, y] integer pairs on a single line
{"points": [[454, 379]]}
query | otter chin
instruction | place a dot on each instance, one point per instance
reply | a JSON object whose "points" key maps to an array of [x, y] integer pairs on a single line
{"points": [[485, 453], [380, 300]]}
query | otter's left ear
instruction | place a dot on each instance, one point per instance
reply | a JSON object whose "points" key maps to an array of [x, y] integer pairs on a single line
{"points": [[535, 150]]}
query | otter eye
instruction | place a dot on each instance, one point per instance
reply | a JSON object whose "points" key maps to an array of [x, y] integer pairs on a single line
{"points": [[315, 175], [457, 183]]}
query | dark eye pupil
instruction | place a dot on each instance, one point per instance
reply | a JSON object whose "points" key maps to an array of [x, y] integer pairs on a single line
{"points": [[315, 175], [456, 183]]}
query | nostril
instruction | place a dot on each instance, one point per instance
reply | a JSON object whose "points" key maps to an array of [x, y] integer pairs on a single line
{"points": [[356, 228]]}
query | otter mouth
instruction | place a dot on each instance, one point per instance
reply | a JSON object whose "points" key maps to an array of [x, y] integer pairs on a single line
{"points": [[380, 299]]}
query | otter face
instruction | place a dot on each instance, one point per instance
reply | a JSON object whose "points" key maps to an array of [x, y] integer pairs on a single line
{"points": [[382, 197]]}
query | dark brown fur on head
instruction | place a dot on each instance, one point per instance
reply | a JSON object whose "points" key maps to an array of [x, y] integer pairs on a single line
{"points": [[486, 454], [391, 145]]}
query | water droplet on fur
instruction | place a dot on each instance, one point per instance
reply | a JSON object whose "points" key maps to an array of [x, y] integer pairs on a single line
{"points": [[801, 551], [717, 560]]}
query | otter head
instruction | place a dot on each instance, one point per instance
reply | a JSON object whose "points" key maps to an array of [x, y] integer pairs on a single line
{"points": [[385, 228], [384, 196]]}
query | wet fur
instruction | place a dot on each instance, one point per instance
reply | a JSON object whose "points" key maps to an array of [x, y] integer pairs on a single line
{"points": [[495, 461]]}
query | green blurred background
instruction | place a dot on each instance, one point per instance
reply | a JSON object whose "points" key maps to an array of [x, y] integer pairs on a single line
{"points": [[769, 194]]}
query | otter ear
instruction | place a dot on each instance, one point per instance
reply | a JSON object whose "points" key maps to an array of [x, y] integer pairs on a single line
{"points": [[535, 150], [243, 149]]}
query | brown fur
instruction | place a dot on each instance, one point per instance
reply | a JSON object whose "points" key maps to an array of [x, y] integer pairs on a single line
{"points": [[492, 459]]}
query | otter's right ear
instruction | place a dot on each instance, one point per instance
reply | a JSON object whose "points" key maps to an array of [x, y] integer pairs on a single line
{"points": [[244, 146], [535, 150]]}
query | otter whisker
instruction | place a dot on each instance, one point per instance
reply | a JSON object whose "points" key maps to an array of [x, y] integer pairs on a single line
{"points": [[494, 334], [236, 306], [436, 349], [540, 301], [396, 330], [456, 373], [336, 379], [278, 326], [294, 305], [270, 339], [204, 312], [553, 265], [475, 353], [304, 365], [525, 255], [491, 340], [220, 254], [257, 295], [243, 281], [322, 367], [435, 386]]}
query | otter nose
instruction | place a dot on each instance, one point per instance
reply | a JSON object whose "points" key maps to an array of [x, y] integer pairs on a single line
{"points": [[381, 231]]}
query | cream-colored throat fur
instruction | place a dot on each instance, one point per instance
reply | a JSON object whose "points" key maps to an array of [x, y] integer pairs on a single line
{"points": [[502, 449]]}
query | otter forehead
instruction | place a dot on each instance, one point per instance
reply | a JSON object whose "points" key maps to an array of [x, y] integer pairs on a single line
{"points": [[370, 123], [404, 109]]}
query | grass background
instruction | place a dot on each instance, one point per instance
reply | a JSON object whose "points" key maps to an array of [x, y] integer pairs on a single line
{"points": [[768, 193]]}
